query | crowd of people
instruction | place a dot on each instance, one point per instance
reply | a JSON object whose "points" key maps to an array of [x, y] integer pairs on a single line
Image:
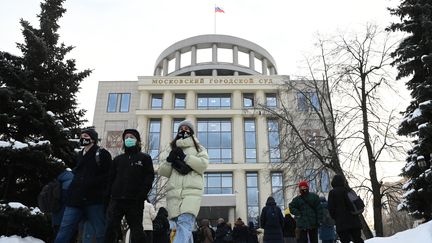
{"points": [[100, 191]]}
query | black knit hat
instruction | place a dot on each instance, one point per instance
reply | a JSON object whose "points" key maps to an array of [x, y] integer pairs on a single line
{"points": [[92, 133], [133, 132]]}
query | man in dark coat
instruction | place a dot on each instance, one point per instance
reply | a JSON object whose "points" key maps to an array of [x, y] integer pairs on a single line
{"points": [[87, 191], [131, 180], [272, 222], [348, 226], [308, 213]]}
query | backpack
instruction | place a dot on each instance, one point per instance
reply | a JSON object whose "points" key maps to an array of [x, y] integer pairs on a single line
{"points": [[49, 199], [357, 204]]}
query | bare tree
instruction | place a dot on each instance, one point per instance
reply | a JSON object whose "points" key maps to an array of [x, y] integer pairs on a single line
{"points": [[339, 121]]}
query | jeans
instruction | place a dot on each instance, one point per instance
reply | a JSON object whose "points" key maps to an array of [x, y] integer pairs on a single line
{"points": [[184, 225], [94, 214]]}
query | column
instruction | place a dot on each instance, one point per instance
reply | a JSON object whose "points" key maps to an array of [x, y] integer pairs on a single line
{"points": [[252, 60], [166, 132], [144, 100], [238, 145], [193, 55], [167, 100], [165, 67], [240, 192], [231, 215], [158, 71], [235, 55], [237, 100], [214, 53], [142, 128], [264, 66], [177, 60], [191, 100], [272, 71], [264, 183]]}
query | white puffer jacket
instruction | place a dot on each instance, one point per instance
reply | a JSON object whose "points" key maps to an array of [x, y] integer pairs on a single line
{"points": [[148, 216], [184, 192]]}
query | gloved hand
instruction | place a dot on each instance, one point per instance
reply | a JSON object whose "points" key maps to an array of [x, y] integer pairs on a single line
{"points": [[179, 153], [172, 156], [181, 167]]}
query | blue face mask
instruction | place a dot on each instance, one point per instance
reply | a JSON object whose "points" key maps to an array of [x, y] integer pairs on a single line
{"points": [[130, 142]]}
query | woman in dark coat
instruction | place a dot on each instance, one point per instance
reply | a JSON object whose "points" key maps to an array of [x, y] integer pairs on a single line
{"points": [[272, 222], [348, 226], [240, 231], [161, 226]]}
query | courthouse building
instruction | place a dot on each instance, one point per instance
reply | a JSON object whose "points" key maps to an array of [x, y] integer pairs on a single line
{"points": [[214, 81]]}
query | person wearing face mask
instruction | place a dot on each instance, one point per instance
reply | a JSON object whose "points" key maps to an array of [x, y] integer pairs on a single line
{"points": [[308, 213], [86, 193], [184, 167], [131, 179]]}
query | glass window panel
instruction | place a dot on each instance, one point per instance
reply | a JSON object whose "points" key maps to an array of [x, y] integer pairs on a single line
{"points": [[325, 181], [226, 181], [214, 140], [271, 100], [226, 153], [213, 190], [112, 102], [156, 101], [202, 102], [155, 126], [252, 196], [225, 102], [250, 126], [250, 155], [124, 103], [314, 100], [202, 137], [252, 181], [214, 102], [214, 182], [226, 126], [202, 126], [250, 140], [248, 100], [226, 190], [226, 140], [214, 126], [180, 101], [213, 153]]}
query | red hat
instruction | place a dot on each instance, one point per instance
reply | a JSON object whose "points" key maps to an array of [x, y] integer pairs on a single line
{"points": [[303, 184]]}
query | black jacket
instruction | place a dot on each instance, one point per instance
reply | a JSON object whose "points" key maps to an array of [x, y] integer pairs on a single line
{"points": [[131, 176], [161, 226], [338, 206], [289, 226], [90, 181], [240, 233], [272, 222]]}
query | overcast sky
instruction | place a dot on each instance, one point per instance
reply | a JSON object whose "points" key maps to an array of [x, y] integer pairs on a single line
{"points": [[121, 39]]}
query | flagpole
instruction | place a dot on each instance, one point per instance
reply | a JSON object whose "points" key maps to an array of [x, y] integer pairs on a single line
{"points": [[214, 10]]}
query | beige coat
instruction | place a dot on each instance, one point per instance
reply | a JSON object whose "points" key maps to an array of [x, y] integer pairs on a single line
{"points": [[184, 192]]}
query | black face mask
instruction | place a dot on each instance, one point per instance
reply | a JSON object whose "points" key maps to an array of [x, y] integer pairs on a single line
{"points": [[184, 134], [85, 141]]}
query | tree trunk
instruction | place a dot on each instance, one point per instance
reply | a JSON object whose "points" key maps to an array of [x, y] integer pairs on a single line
{"points": [[376, 187]]}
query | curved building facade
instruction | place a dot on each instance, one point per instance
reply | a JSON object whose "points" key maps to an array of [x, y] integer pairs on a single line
{"points": [[215, 81]]}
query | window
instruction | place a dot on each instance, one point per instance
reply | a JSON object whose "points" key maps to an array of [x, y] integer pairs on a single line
{"points": [[176, 123], [248, 100], [310, 176], [218, 183], [273, 137], [307, 101], [215, 136], [214, 101], [180, 101], [156, 101], [252, 197], [271, 100], [118, 102], [277, 188], [325, 181], [250, 140], [154, 138]]}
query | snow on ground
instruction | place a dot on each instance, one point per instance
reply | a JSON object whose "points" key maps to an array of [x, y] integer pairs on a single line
{"points": [[17, 239], [420, 234]]}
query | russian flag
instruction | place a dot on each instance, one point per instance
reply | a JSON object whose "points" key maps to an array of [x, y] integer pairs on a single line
{"points": [[219, 10]]}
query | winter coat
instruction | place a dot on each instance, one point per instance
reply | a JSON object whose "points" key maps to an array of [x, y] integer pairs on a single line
{"points": [[206, 235], [289, 226], [338, 206], [184, 192], [272, 222], [90, 182], [307, 210], [148, 216], [65, 178], [240, 233], [161, 227], [222, 231], [131, 176]]}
